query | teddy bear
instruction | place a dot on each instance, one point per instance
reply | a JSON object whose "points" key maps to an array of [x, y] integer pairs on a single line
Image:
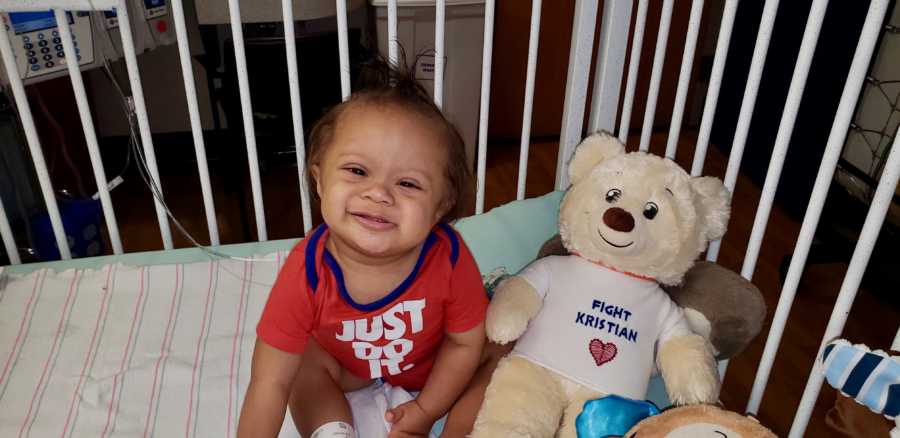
{"points": [[597, 322]]}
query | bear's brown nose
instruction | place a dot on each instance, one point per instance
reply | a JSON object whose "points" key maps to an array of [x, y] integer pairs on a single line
{"points": [[619, 220]]}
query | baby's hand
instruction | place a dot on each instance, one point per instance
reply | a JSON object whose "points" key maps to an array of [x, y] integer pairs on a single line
{"points": [[409, 420]]}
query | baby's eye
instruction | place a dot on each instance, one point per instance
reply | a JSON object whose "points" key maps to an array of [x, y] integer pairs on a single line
{"points": [[356, 171], [409, 185]]}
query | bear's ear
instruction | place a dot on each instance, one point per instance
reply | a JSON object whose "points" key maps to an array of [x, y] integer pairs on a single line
{"points": [[713, 203], [592, 150]]}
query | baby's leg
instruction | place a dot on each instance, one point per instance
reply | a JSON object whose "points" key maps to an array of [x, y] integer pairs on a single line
{"points": [[522, 400], [462, 415], [317, 397]]}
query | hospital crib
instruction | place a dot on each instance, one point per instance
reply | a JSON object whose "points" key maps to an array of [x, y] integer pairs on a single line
{"points": [[613, 81]]}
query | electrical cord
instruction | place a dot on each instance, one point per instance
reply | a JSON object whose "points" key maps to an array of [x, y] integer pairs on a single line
{"points": [[135, 148]]}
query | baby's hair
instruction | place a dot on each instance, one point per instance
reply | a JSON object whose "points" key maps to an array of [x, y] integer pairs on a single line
{"points": [[382, 83]]}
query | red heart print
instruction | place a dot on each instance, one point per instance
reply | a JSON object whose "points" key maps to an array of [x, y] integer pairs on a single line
{"points": [[603, 352]]}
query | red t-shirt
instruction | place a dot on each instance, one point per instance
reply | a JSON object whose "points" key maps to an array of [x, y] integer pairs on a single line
{"points": [[395, 338]]}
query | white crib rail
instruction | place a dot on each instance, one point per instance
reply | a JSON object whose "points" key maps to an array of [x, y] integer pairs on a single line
{"points": [[525, 140], [237, 34], [343, 47], [855, 78], [296, 113], [864, 246], [715, 84], [635, 62], [440, 9], [9, 243], [659, 57], [610, 61], [140, 108], [748, 103], [393, 43], [684, 77], [90, 135], [190, 91], [576, 85], [785, 129], [486, 56], [34, 144], [896, 344]]}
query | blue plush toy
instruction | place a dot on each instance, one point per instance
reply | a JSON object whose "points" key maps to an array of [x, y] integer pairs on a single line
{"points": [[611, 416], [872, 378]]}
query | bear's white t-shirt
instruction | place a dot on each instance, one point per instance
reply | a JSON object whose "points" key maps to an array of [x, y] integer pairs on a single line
{"points": [[597, 326]]}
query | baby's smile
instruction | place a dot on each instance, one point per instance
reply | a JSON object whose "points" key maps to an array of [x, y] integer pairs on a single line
{"points": [[372, 221]]}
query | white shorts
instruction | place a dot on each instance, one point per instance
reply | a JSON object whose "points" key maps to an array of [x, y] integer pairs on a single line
{"points": [[368, 406]]}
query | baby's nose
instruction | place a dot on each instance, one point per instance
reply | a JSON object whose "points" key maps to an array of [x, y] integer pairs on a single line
{"points": [[618, 219], [377, 192]]}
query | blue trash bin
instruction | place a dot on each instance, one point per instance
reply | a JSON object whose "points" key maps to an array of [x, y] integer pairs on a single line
{"points": [[82, 221]]}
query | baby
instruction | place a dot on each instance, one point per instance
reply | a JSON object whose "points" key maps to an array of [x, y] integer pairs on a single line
{"points": [[384, 289]]}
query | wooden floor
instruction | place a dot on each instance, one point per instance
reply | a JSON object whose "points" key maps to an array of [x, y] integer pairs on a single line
{"points": [[872, 321]]}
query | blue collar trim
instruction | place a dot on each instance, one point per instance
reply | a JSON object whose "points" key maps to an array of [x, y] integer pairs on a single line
{"points": [[312, 278], [402, 287]]}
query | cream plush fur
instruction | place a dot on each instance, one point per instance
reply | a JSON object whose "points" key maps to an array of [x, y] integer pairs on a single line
{"points": [[527, 400]]}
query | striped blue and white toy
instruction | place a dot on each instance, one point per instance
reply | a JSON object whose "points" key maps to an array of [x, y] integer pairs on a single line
{"points": [[872, 378]]}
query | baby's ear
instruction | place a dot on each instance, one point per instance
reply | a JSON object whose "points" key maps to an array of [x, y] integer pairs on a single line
{"points": [[444, 208], [593, 150], [713, 201]]}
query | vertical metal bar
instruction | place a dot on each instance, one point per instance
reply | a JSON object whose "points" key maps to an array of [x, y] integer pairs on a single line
{"points": [[864, 246], [392, 31], [529, 97], [140, 108], [635, 62], [684, 77], [715, 84], [34, 146], [785, 130], [237, 33], [580, 53], [616, 22], [9, 243], [486, 57], [767, 23], [440, 8], [87, 124], [896, 344], [343, 47], [290, 44], [190, 91], [833, 147], [659, 59]]}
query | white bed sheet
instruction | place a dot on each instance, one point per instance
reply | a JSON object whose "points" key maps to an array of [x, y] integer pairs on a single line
{"points": [[130, 351]]}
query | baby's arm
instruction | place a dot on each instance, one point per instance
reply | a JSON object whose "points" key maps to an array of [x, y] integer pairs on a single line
{"points": [[271, 377], [456, 362]]}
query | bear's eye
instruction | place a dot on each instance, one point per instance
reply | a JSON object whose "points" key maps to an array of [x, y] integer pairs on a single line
{"points": [[650, 210], [613, 195]]}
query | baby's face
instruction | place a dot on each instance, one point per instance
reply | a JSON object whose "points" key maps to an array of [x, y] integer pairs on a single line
{"points": [[381, 180]]}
